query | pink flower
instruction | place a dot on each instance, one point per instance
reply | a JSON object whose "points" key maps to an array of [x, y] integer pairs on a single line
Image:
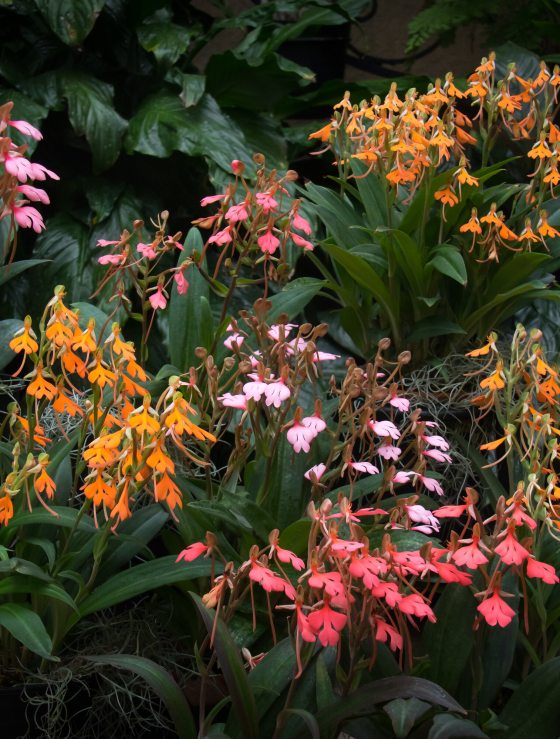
{"points": [[450, 511], [421, 515], [112, 259], [276, 393], [495, 610], [327, 624], [284, 555], [384, 429], [438, 455], [237, 167], [401, 404], [469, 556], [232, 339], [285, 328], [368, 570], [237, 213], [181, 282], [255, 389], [192, 552], [27, 129], [315, 423], [543, 571], [304, 628], [147, 250], [384, 632], [157, 299], [431, 484], [414, 605], [449, 573], [437, 441], [221, 237], [233, 401], [38, 172], [389, 452], [270, 581], [510, 551], [28, 217], [34, 193], [104, 242], [319, 356], [300, 241], [520, 516], [389, 591], [18, 166], [330, 581], [211, 199], [317, 470], [301, 223], [268, 242], [364, 467], [402, 477], [266, 201], [300, 437]]}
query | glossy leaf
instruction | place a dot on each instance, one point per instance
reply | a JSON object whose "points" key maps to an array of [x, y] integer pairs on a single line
{"points": [[272, 675], [237, 682], [404, 713], [428, 327], [293, 298], [26, 626], [449, 261], [9, 271], [28, 585], [70, 20], [161, 682], [534, 708], [445, 727], [166, 41]]}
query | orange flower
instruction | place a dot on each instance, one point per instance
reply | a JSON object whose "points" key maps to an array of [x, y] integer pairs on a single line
{"points": [[465, 178], [6, 509], [42, 482], [495, 381], [144, 419], [447, 196], [25, 339], [63, 404], [490, 345], [540, 150], [543, 226], [101, 490], [323, 133], [159, 459], [41, 387], [166, 490], [472, 225], [85, 341], [176, 418]]}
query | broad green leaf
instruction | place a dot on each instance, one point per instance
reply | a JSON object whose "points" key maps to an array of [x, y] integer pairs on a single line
{"points": [[27, 628], [450, 640], [272, 675], [534, 708], [20, 566], [407, 254], [64, 517], [92, 113], [237, 682], [428, 327], [27, 108], [166, 41], [140, 579], [325, 694], [449, 261], [161, 682], [70, 20], [8, 329], [404, 713], [193, 86], [338, 214], [27, 585], [507, 297], [515, 271], [308, 719], [185, 311], [364, 700], [293, 298], [445, 727], [372, 195], [9, 271]]}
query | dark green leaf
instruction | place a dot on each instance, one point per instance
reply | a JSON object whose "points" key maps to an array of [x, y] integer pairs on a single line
{"points": [[428, 327], [70, 20], [294, 297], [8, 329], [27, 628], [166, 41], [449, 261], [27, 585], [404, 713], [9, 271], [534, 708], [161, 682], [64, 516], [242, 697], [272, 675], [445, 727]]}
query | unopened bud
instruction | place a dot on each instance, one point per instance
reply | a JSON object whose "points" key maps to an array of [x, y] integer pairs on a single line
{"points": [[291, 175], [384, 344], [237, 167], [404, 357], [200, 352]]}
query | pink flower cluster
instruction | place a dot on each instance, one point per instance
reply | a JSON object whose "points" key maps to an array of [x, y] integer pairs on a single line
{"points": [[15, 193]]}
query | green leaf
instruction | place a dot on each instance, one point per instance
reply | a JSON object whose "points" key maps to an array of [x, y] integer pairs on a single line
{"points": [[70, 20], [293, 298], [449, 261], [24, 567], [166, 41], [237, 682], [407, 254], [428, 327], [140, 579], [64, 517], [9, 271], [309, 720], [450, 640], [338, 214], [272, 675], [26, 108], [161, 682], [102, 321], [26, 626], [513, 272], [364, 700], [445, 726], [185, 311], [534, 708], [404, 713], [91, 113], [8, 329], [27, 585], [192, 86]]}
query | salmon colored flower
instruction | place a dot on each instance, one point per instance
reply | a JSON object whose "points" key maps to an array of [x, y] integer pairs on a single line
{"points": [[541, 570], [495, 610], [327, 624], [192, 552]]}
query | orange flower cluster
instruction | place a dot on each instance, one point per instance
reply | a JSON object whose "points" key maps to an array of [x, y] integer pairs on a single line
{"points": [[523, 391], [123, 443]]}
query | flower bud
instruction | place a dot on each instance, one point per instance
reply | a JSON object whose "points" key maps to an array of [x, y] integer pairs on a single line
{"points": [[404, 357], [237, 167], [384, 344]]}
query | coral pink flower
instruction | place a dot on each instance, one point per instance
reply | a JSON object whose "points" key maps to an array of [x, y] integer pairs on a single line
{"points": [[255, 389], [27, 129], [270, 581], [495, 610], [510, 551], [384, 429], [470, 556], [211, 199], [330, 581], [192, 552], [18, 166], [414, 605], [300, 437], [221, 237], [315, 423], [431, 484], [181, 282], [268, 242], [368, 569], [402, 476], [34, 193], [301, 223], [237, 213], [450, 511], [446, 570], [300, 241], [266, 201], [233, 401], [304, 628], [39, 172], [420, 515], [112, 259], [401, 404], [367, 467], [237, 167], [543, 571], [157, 299], [317, 471], [104, 242], [286, 556], [520, 516], [387, 451], [438, 455], [276, 393], [384, 631], [389, 591], [327, 624], [28, 217], [147, 250]]}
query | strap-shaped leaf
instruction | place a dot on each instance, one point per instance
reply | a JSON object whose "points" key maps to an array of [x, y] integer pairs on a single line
{"points": [[26, 626]]}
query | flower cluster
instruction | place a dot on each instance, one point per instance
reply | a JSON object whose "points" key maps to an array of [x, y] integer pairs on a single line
{"points": [[16, 171], [123, 446]]}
